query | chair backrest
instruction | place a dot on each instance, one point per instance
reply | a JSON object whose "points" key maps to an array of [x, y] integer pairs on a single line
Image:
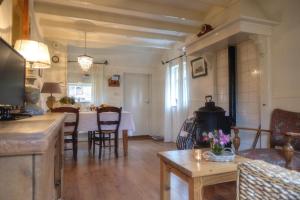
{"points": [[112, 121], [70, 121], [283, 121]]}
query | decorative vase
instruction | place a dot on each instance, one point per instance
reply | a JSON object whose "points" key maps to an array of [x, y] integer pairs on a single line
{"points": [[217, 149]]}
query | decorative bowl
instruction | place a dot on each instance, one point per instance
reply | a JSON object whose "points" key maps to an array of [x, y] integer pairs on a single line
{"points": [[226, 156]]}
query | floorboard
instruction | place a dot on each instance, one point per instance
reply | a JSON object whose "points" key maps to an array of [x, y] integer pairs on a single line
{"points": [[135, 177]]}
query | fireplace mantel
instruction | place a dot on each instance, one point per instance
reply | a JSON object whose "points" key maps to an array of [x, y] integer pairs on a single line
{"points": [[229, 34]]}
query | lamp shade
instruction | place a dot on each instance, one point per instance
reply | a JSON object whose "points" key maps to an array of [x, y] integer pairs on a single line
{"points": [[51, 87], [34, 52]]}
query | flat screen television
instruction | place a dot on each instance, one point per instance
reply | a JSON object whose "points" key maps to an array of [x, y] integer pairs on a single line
{"points": [[12, 76]]}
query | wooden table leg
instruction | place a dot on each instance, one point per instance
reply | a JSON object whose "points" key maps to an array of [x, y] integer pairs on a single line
{"points": [[125, 142], [164, 181], [195, 189]]}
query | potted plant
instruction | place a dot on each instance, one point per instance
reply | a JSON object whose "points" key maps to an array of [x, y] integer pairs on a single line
{"points": [[217, 140], [67, 100]]}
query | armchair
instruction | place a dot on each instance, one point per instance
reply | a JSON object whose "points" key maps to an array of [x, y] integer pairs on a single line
{"points": [[284, 140]]}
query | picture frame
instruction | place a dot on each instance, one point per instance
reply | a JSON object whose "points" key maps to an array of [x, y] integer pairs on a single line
{"points": [[114, 81], [199, 67]]}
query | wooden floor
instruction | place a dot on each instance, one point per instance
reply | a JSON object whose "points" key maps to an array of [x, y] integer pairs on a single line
{"points": [[135, 177]]}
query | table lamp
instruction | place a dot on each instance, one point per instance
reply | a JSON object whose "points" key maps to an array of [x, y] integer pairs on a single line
{"points": [[51, 87]]}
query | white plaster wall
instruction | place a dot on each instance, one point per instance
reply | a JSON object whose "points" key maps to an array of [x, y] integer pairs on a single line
{"points": [[129, 60], [218, 16], [158, 82], [121, 60], [203, 85], [57, 72], [285, 48], [115, 95]]}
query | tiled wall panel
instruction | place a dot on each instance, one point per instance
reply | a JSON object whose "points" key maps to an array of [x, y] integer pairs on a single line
{"points": [[248, 91]]}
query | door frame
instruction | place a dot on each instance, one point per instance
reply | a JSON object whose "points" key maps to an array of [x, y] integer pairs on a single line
{"points": [[150, 94]]}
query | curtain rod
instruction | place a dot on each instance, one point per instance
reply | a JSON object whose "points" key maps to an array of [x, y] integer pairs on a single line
{"points": [[166, 62], [102, 63]]}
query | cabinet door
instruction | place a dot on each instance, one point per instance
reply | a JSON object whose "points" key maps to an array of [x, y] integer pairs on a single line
{"points": [[16, 177]]}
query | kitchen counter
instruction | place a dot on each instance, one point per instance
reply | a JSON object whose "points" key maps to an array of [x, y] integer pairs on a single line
{"points": [[31, 157]]}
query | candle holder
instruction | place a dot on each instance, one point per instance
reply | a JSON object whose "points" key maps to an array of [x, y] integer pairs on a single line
{"points": [[197, 153]]}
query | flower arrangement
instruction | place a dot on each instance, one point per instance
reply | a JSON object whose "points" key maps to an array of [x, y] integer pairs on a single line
{"points": [[217, 140]]}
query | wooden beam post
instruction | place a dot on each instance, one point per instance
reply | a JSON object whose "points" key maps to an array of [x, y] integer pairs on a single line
{"points": [[26, 23]]}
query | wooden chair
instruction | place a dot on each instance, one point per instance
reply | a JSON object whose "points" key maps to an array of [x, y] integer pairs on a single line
{"points": [[284, 140], [69, 131], [102, 136]]}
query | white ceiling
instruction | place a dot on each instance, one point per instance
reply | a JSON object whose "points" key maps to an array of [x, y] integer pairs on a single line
{"points": [[136, 23]]}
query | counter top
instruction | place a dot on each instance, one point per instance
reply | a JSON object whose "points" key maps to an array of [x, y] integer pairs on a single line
{"points": [[30, 135]]}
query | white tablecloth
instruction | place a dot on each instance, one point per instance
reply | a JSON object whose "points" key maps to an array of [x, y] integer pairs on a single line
{"points": [[88, 121]]}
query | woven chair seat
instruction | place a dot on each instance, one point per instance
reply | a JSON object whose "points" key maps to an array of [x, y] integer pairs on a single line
{"points": [[272, 156], [258, 180]]}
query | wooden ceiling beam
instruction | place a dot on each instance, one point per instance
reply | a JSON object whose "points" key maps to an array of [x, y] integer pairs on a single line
{"points": [[88, 14], [93, 41], [108, 30], [147, 7]]}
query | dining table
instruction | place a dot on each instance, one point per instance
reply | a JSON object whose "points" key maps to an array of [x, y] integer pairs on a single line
{"points": [[88, 122]]}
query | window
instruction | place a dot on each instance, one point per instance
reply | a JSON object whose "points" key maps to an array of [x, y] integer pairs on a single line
{"points": [[82, 92], [174, 85]]}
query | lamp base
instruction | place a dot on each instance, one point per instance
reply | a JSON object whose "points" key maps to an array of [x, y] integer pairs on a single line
{"points": [[50, 102], [30, 76]]}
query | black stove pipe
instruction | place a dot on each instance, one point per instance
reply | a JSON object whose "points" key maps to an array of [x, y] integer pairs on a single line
{"points": [[232, 83]]}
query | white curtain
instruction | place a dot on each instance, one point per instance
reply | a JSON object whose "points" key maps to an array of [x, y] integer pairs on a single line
{"points": [[97, 84], [174, 116], [168, 136]]}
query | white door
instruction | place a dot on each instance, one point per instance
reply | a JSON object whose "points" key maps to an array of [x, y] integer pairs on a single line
{"points": [[137, 101]]}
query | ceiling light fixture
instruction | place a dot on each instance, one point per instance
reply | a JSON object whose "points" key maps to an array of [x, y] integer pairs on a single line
{"points": [[84, 60]]}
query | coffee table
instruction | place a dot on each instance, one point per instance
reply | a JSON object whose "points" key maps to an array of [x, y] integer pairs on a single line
{"points": [[196, 173]]}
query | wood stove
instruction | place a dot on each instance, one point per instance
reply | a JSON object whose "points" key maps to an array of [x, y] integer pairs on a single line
{"points": [[210, 118]]}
